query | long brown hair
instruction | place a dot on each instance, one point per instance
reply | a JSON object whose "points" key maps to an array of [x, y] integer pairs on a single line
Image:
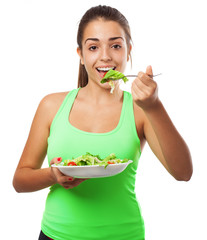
{"points": [[109, 14]]}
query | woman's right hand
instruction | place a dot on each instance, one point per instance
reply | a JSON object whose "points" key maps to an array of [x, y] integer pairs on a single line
{"points": [[65, 181]]}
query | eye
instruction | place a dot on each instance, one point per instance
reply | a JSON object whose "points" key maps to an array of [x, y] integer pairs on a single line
{"points": [[92, 48], [116, 46]]}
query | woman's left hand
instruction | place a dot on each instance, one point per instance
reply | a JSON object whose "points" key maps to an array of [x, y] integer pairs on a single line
{"points": [[144, 89]]}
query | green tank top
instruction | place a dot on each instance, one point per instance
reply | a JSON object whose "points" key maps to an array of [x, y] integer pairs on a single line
{"points": [[99, 208]]}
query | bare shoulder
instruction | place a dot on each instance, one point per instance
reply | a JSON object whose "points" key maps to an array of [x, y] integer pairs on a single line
{"points": [[51, 103], [54, 99]]}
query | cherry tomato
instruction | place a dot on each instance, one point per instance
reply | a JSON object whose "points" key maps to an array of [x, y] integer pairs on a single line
{"points": [[109, 162], [72, 164]]}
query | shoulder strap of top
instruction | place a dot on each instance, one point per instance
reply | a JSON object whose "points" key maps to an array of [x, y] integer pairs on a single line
{"points": [[65, 104]]}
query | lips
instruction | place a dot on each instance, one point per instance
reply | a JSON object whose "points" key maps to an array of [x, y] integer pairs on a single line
{"points": [[104, 69]]}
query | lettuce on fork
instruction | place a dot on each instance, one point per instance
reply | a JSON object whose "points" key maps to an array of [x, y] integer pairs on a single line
{"points": [[111, 76]]}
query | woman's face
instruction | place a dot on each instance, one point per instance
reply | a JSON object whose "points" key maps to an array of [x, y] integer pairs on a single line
{"points": [[103, 47]]}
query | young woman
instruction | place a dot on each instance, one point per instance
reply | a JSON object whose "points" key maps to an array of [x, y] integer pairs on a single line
{"points": [[91, 119]]}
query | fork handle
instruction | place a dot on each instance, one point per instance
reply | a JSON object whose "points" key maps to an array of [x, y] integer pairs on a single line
{"points": [[148, 75], [155, 75]]}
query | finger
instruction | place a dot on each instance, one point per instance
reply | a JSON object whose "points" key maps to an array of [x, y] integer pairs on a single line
{"points": [[67, 186], [71, 184], [147, 80], [137, 94], [74, 183], [67, 179], [149, 71], [77, 182], [60, 177], [83, 179], [144, 78], [140, 86], [147, 90], [55, 160]]}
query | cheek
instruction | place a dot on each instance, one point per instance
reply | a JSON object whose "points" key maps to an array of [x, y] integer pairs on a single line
{"points": [[89, 60], [121, 55], [122, 60]]}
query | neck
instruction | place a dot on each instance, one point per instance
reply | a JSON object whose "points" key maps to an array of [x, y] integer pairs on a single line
{"points": [[99, 95]]}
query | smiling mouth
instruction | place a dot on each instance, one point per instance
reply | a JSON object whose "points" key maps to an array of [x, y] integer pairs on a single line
{"points": [[103, 70]]}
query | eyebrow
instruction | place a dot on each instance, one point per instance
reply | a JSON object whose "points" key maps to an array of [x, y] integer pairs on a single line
{"points": [[97, 40]]}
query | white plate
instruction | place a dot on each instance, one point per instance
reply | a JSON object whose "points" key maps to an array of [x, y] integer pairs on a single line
{"points": [[93, 171]]}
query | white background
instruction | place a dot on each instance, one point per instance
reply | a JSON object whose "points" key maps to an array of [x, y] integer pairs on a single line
{"points": [[38, 57]]}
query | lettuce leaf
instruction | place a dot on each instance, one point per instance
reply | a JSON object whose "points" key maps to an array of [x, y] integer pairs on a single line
{"points": [[114, 75]]}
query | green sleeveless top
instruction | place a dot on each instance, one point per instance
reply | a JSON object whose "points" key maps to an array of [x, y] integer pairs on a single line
{"points": [[98, 208]]}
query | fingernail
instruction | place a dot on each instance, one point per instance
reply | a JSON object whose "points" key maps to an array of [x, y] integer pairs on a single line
{"points": [[70, 179], [59, 159]]}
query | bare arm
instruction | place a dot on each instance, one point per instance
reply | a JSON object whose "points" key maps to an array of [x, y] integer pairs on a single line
{"points": [[28, 176], [167, 144], [159, 131]]}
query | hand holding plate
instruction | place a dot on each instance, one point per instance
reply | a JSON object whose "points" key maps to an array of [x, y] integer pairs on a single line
{"points": [[65, 181]]}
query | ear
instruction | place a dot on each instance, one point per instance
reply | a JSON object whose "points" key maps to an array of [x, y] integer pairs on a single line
{"points": [[129, 51], [80, 55]]}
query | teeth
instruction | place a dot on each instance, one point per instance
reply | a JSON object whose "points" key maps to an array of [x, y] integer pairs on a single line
{"points": [[105, 68]]}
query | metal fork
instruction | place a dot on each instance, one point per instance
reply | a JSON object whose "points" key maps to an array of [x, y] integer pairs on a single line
{"points": [[135, 76]]}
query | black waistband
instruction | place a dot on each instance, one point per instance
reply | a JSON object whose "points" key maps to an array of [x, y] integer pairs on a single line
{"points": [[42, 236]]}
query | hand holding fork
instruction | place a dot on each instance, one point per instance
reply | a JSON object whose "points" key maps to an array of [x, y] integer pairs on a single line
{"points": [[144, 89]]}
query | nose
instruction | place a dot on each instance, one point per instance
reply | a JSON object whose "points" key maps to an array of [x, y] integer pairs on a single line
{"points": [[105, 55]]}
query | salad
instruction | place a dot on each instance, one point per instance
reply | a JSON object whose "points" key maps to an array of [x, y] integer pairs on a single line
{"points": [[90, 159], [111, 76]]}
